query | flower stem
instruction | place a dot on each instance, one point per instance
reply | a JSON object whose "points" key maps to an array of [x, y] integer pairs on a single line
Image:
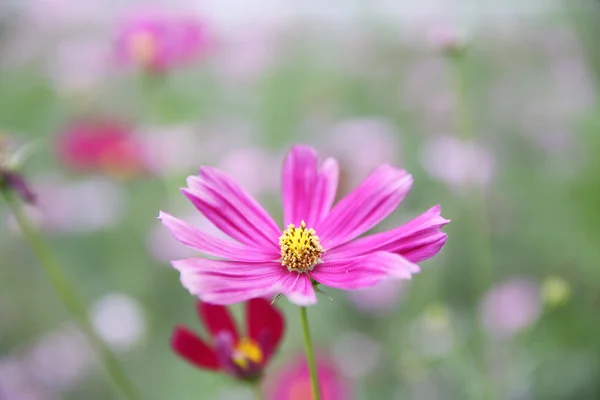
{"points": [[310, 356], [258, 394], [70, 299]]}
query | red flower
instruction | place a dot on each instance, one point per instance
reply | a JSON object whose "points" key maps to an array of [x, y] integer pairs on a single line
{"points": [[103, 146], [242, 356]]}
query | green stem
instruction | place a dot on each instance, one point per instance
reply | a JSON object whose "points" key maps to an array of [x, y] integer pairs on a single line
{"points": [[480, 227], [257, 391], [70, 299], [310, 356]]}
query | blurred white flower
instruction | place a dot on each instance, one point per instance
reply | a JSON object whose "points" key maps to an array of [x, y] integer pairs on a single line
{"points": [[510, 307], [432, 333], [174, 150], [360, 145], [257, 170], [119, 320], [356, 354], [82, 206], [380, 299], [60, 359], [457, 163], [79, 65]]}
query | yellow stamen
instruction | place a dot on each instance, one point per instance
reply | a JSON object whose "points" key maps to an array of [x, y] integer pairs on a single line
{"points": [[300, 248], [246, 351], [143, 47]]}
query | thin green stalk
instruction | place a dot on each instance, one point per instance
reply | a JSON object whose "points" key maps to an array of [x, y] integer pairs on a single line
{"points": [[258, 394], [480, 230], [310, 355], [480, 227], [70, 299]]}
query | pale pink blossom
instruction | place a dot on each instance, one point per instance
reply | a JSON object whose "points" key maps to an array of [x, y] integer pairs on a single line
{"points": [[510, 307], [157, 41]]}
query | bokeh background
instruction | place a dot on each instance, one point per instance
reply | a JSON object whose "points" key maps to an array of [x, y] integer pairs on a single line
{"points": [[492, 106]]}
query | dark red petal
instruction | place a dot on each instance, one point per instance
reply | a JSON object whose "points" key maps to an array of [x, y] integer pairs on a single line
{"points": [[264, 321], [216, 319], [191, 348]]}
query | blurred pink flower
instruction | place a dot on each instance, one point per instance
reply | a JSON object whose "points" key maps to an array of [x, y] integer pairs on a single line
{"points": [[266, 260], [457, 163], [510, 307], [105, 146], [292, 382], [157, 42]]}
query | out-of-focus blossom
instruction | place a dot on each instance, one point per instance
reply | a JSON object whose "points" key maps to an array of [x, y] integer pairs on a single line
{"points": [[119, 320], [266, 261], [10, 179], [447, 38], [104, 146], [79, 65], [292, 382], [66, 207], [380, 299], [253, 166], [160, 41], [510, 307], [361, 145], [555, 291], [60, 358], [16, 382], [457, 163], [173, 150], [243, 356], [356, 354], [432, 333]]}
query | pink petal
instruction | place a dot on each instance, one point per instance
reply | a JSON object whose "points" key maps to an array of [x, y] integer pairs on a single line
{"points": [[195, 238], [297, 287], [307, 192], [417, 240], [228, 282], [365, 207], [364, 271], [232, 209]]}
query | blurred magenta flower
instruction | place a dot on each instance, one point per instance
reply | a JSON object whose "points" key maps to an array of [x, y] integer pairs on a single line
{"points": [[244, 357], [292, 382], [105, 146], [266, 260], [157, 42]]}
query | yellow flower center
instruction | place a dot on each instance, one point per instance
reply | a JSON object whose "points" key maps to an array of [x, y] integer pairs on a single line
{"points": [[300, 248], [246, 351], [143, 47]]}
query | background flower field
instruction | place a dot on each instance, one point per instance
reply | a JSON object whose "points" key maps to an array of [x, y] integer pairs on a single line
{"points": [[494, 111]]}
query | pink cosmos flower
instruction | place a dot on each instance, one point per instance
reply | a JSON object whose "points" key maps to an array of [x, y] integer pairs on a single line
{"points": [[293, 382], [317, 244], [157, 42], [103, 146]]}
